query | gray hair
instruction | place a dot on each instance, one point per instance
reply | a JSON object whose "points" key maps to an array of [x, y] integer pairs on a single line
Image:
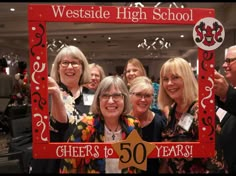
{"points": [[106, 85], [143, 83], [75, 53], [101, 71]]}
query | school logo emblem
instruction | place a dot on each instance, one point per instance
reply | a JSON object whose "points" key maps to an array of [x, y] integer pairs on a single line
{"points": [[208, 33]]}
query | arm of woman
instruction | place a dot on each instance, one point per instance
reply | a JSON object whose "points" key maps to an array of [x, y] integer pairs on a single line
{"points": [[58, 109]]}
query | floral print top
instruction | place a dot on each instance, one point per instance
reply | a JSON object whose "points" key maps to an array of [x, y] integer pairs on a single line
{"points": [[61, 131], [175, 133], [91, 129]]}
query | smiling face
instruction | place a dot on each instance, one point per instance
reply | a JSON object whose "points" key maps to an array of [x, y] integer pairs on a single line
{"points": [[230, 67], [132, 72], [70, 71], [174, 86], [95, 78], [111, 103], [141, 99]]}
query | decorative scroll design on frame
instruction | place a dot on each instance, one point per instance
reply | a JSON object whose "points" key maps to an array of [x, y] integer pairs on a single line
{"points": [[41, 123], [206, 57], [38, 67], [41, 101], [40, 36], [208, 89], [206, 102], [208, 122], [40, 14]]}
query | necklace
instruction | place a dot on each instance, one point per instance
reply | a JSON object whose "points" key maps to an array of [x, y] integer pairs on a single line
{"points": [[113, 132]]}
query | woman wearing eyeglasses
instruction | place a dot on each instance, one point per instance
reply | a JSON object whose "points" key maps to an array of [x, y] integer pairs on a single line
{"points": [[70, 71], [152, 124], [179, 92], [110, 123]]}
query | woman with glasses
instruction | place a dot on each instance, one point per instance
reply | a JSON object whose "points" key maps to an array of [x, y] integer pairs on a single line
{"points": [[152, 124], [179, 92], [70, 71], [109, 123], [134, 68]]}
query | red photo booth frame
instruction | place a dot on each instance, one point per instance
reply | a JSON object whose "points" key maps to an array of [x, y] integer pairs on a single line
{"points": [[40, 14]]}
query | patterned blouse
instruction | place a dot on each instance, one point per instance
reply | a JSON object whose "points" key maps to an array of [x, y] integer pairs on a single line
{"points": [[91, 129], [175, 133]]}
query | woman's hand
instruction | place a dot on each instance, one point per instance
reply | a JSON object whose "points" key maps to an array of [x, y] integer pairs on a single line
{"points": [[58, 109]]}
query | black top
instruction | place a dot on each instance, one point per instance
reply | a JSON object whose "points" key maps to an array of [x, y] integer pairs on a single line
{"points": [[155, 128], [79, 102], [52, 165]]}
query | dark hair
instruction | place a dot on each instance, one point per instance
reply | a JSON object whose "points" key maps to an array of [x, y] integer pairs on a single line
{"points": [[3, 62], [22, 65]]}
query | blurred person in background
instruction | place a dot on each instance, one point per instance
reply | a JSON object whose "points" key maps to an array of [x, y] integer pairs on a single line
{"points": [[97, 75], [134, 68], [6, 81]]}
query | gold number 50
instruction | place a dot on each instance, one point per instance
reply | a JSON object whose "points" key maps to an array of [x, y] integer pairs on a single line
{"points": [[138, 153]]}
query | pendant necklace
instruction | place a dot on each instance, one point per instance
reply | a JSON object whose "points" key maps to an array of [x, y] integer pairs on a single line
{"points": [[113, 132]]}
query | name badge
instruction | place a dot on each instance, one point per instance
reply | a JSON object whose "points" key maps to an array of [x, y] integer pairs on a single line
{"points": [[186, 121], [221, 113], [88, 99]]}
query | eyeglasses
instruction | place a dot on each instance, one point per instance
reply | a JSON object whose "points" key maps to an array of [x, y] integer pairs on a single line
{"points": [[140, 95], [229, 60], [115, 96], [65, 64]]}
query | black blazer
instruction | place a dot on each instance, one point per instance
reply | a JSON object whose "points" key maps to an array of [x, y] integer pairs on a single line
{"points": [[227, 140], [230, 103]]}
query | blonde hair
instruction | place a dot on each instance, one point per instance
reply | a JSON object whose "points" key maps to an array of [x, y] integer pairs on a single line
{"points": [[178, 66], [137, 63], [143, 83], [75, 53], [105, 85]]}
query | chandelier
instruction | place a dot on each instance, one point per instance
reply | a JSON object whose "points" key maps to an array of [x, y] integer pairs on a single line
{"points": [[11, 58], [157, 43], [55, 45]]}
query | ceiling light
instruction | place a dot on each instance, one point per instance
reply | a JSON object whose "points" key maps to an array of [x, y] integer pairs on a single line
{"points": [[12, 9]]}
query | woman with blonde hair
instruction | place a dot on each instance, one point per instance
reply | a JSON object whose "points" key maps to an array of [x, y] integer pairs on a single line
{"points": [[152, 124], [179, 94], [134, 68]]}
